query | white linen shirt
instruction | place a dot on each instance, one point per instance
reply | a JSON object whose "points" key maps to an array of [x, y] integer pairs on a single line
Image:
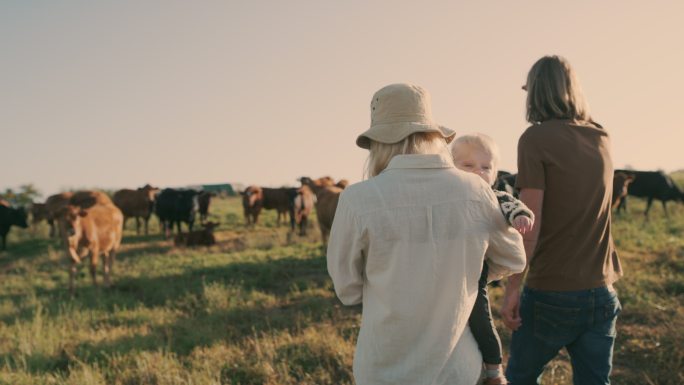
{"points": [[409, 244]]}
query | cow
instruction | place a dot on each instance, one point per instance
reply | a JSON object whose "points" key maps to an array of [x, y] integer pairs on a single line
{"points": [[88, 198], [255, 198], [282, 200], [651, 185], [10, 216], [252, 203], [92, 231], [53, 205], [621, 182], [303, 205], [342, 183], [327, 197], [138, 204], [325, 181], [39, 212], [204, 237], [204, 200], [176, 206], [505, 181]]}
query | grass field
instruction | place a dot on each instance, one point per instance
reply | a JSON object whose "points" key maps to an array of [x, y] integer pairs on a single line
{"points": [[258, 308]]}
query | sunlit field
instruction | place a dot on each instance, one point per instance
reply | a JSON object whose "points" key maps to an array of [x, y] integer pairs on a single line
{"points": [[259, 308]]}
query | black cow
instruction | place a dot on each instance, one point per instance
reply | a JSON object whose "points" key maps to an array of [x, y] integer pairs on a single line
{"points": [[282, 200], [204, 199], [651, 185], [9, 217], [176, 206], [505, 181]]}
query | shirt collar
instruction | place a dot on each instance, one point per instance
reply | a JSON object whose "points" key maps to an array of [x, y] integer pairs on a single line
{"points": [[420, 161]]}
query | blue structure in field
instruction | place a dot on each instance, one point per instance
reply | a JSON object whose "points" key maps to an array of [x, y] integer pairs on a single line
{"points": [[224, 189]]}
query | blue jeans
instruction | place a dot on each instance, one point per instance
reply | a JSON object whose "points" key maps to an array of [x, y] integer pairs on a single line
{"points": [[581, 321]]}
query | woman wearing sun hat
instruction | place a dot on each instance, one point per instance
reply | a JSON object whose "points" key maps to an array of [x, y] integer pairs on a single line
{"points": [[409, 242]]}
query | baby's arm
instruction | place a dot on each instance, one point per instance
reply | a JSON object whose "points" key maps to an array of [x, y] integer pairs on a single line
{"points": [[516, 213]]}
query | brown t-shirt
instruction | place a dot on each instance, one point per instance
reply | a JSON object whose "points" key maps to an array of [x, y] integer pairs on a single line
{"points": [[571, 162]]}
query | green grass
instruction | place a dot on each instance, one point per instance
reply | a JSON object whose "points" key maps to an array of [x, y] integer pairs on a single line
{"points": [[259, 308]]}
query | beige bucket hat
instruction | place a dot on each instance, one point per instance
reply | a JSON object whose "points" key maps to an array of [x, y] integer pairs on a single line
{"points": [[399, 110]]}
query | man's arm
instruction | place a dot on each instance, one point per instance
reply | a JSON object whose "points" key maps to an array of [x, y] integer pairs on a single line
{"points": [[534, 199]]}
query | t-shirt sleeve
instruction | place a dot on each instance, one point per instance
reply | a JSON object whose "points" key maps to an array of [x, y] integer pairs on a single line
{"points": [[530, 163]]}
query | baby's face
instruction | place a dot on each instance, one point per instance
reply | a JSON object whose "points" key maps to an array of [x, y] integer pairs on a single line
{"points": [[478, 162]]}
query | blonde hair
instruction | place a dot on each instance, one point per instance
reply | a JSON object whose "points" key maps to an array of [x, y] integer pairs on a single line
{"points": [[554, 92], [477, 141], [417, 143]]}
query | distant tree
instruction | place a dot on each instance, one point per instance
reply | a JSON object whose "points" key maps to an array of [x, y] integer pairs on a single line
{"points": [[26, 195], [8, 195]]}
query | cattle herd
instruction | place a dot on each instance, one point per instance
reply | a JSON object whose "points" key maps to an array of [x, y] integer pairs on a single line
{"points": [[90, 223], [321, 193]]}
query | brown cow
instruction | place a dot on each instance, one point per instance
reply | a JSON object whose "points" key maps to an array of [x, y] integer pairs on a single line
{"points": [[90, 232], [325, 181], [621, 183], [89, 198], [303, 205], [342, 183], [254, 198], [252, 203], [326, 203], [39, 212], [136, 204], [53, 205], [204, 237]]}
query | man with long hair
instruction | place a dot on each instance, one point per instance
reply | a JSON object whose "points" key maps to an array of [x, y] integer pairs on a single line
{"points": [[565, 176]]}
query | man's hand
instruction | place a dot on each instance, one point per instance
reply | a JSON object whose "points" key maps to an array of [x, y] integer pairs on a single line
{"points": [[523, 224], [510, 310]]}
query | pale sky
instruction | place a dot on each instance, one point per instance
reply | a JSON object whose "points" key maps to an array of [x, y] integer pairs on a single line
{"points": [[115, 94]]}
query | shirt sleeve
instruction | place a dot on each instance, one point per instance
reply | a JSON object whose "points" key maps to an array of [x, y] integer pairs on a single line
{"points": [[530, 163], [505, 254], [346, 254]]}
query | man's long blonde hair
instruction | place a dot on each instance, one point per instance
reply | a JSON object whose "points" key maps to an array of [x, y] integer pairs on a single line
{"points": [[418, 143], [554, 92]]}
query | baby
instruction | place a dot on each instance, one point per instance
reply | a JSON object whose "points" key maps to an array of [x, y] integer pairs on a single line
{"points": [[477, 153]]}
